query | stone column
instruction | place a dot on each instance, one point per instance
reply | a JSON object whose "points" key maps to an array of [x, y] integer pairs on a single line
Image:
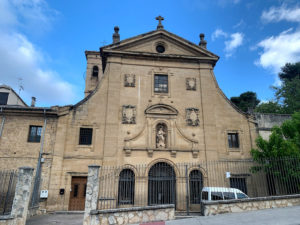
{"points": [[22, 195], [92, 191]]}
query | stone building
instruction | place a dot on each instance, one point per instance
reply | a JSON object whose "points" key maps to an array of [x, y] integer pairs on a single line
{"points": [[151, 99]]}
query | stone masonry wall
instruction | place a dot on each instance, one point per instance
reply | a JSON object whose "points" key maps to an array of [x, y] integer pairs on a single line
{"points": [[231, 206], [133, 215]]}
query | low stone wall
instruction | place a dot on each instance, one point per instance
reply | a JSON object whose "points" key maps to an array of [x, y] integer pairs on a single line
{"points": [[132, 215], [230, 206]]}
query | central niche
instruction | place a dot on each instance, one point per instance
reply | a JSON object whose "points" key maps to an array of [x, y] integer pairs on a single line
{"points": [[161, 135]]}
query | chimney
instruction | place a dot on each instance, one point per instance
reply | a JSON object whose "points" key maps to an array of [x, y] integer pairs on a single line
{"points": [[202, 42], [116, 35], [33, 99]]}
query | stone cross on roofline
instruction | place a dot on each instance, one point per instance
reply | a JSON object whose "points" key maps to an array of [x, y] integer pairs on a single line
{"points": [[159, 26]]}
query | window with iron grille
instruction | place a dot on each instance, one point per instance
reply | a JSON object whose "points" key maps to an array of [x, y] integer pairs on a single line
{"points": [[126, 187], [233, 140], [85, 136], [196, 185], [3, 98], [161, 83], [35, 133], [239, 183]]}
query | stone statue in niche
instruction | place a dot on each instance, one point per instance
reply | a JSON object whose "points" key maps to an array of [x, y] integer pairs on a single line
{"points": [[191, 84], [192, 117], [128, 114], [129, 80], [161, 136]]}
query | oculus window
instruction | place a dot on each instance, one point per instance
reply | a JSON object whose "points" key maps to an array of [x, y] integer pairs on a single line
{"points": [[160, 83], [35, 133], [233, 140], [85, 136]]}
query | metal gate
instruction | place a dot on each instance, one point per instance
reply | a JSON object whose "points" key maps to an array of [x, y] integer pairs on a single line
{"points": [[161, 184]]}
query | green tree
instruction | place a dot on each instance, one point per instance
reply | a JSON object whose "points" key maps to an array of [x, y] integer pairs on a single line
{"points": [[246, 100], [269, 107], [290, 71], [279, 157]]}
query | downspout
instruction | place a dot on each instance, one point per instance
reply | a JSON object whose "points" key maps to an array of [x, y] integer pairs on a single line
{"points": [[2, 123], [36, 187]]}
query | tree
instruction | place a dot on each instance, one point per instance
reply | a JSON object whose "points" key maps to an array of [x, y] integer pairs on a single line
{"points": [[288, 94], [269, 107], [279, 157], [246, 100]]}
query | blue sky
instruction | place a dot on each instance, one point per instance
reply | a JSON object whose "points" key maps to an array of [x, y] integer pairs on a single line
{"points": [[42, 43]]}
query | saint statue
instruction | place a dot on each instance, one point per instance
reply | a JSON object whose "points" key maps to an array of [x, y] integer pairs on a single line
{"points": [[161, 138]]}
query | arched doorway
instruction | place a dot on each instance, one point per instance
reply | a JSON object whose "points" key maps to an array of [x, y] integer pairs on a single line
{"points": [[196, 185], [161, 184]]}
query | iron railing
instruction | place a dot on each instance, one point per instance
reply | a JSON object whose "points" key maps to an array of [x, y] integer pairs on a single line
{"points": [[181, 184], [8, 180]]}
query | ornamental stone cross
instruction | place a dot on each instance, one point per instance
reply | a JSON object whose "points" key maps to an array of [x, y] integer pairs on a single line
{"points": [[159, 26]]}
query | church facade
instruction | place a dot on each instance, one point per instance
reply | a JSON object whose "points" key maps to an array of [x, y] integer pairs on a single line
{"points": [[149, 99]]}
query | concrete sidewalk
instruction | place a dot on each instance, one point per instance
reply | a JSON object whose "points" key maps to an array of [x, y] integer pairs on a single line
{"points": [[278, 216]]}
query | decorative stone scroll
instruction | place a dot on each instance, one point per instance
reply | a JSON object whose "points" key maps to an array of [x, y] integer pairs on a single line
{"points": [[129, 80], [192, 116], [129, 114], [191, 84]]}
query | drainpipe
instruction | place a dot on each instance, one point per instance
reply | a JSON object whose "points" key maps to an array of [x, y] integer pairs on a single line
{"points": [[38, 167], [2, 123]]}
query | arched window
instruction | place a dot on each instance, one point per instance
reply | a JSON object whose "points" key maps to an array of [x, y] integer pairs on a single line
{"points": [[95, 71], [126, 187], [161, 135], [196, 185]]}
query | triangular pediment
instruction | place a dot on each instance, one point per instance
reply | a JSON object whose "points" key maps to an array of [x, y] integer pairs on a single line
{"points": [[161, 109], [173, 44]]}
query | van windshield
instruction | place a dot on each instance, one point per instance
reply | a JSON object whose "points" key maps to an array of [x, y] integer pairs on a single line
{"points": [[228, 195], [216, 196], [241, 195]]}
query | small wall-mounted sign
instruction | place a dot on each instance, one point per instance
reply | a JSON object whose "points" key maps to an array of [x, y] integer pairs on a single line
{"points": [[44, 194], [227, 174]]}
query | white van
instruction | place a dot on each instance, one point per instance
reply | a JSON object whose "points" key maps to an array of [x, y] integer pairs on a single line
{"points": [[221, 193]]}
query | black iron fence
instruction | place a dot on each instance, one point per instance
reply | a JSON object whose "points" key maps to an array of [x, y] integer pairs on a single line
{"points": [[182, 184], [8, 180]]}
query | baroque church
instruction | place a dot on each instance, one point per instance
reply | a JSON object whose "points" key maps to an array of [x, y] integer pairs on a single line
{"points": [[149, 99]]}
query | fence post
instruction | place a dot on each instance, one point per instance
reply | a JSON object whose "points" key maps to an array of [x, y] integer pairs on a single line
{"points": [[187, 190], [92, 191], [22, 195]]}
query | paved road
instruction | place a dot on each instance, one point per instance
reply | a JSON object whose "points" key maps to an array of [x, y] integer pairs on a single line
{"points": [[281, 216]]}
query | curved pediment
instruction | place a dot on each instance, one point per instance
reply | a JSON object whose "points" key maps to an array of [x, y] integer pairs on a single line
{"points": [[161, 109]]}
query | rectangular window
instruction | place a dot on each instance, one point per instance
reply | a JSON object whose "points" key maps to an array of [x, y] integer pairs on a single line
{"points": [[3, 98], [85, 136], [239, 183], [161, 83], [233, 140], [35, 133]]}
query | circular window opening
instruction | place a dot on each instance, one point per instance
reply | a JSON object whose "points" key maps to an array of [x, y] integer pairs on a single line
{"points": [[160, 48]]}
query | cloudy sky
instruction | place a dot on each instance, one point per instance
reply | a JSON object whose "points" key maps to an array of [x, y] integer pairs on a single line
{"points": [[42, 43]]}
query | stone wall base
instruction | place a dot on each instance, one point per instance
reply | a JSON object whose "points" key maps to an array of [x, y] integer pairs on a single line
{"points": [[243, 205], [132, 215]]}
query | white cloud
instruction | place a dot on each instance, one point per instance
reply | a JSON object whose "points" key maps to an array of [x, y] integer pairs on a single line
{"points": [[276, 14], [279, 50], [236, 40], [20, 58], [218, 33]]}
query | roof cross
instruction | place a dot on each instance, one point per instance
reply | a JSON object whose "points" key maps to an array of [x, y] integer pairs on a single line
{"points": [[159, 26]]}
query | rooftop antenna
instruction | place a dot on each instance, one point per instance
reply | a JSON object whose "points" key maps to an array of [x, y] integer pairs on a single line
{"points": [[21, 88]]}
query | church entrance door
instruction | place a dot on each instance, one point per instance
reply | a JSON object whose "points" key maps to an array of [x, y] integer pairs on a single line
{"points": [[77, 194], [161, 184]]}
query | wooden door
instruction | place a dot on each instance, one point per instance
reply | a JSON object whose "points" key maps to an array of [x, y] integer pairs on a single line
{"points": [[77, 194]]}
